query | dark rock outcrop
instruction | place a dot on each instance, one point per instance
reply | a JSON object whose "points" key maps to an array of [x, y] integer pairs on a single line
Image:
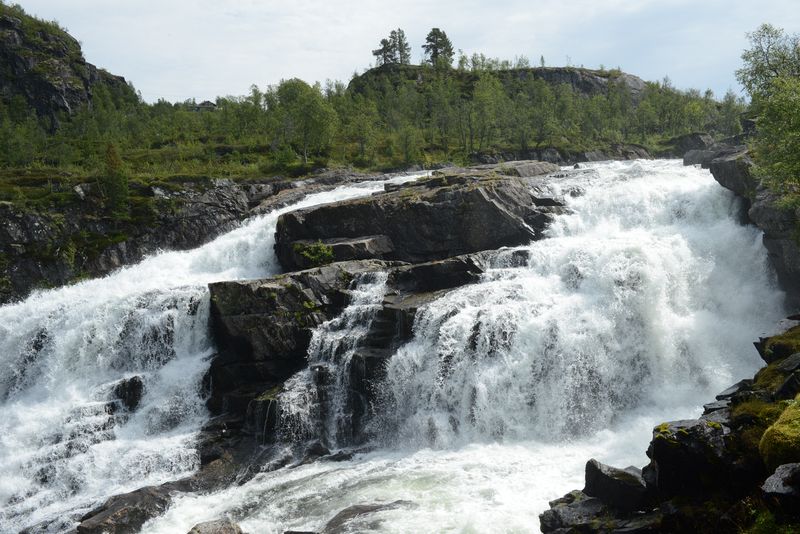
{"points": [[623, 489], [705, 475], [80, 239], [44, 65], [578, 512], [263, 329], [125, 514], [683, 144], [128, 392], [444, 216]]}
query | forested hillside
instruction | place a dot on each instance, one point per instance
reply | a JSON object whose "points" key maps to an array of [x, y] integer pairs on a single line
{"points": [[392, 116]]}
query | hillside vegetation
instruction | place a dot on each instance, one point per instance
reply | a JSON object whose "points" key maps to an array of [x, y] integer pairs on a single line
{"points": [[392, 116]]}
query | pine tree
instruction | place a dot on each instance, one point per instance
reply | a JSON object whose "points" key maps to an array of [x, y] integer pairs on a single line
{"points": [[400, 47], [384, 53], [438, 48], [113, 182]]}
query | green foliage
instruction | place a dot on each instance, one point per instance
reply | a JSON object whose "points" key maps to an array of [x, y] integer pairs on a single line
{"points": [[306, 120], [397, 114], [438, 48], [395, 49], [113, 182], [777, 146], [772, 55], [766, 523], [317, 253]]}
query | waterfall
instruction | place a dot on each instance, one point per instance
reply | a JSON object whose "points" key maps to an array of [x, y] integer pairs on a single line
{"points": [[640, 305], [630, 302], [100, 391], [317, 402]]}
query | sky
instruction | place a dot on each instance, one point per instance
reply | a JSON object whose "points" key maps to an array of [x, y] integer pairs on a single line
{"points": [[180, 49]]}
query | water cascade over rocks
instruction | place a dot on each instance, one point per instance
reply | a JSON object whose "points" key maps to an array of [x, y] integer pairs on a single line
{"points": [[317, 403], [641, 303], [101, 382]]}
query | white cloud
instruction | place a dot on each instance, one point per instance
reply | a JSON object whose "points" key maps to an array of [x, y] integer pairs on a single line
{"points": [[202, 48]]}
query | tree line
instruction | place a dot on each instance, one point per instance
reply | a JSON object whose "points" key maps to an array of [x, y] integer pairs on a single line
{"points": [[395, 115], [771, 75]]}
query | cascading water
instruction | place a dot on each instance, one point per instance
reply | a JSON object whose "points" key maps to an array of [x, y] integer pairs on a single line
{"points": [[640, 305], [66, 442], [316, 403]]}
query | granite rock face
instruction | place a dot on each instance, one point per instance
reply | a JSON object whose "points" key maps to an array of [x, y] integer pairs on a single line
{"points": [[444, 216]]}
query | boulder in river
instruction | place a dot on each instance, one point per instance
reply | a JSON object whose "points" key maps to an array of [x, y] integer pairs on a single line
{"points": [[443, 216]]}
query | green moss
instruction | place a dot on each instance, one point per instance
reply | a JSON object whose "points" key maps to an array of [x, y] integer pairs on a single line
{"points": [[317, 253], [785, 344], [713, 424], [310, 307], [663, 428], [770, 377], [752, 418], [766, 523], [270, 394], [759, 412], [780, 443]]}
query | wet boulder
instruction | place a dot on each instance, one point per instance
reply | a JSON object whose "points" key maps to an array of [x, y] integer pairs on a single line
{"points": [[578, 512], [263, 327], [343, 521], [126, 513], [781, 490], [687, 457], [220, 526], [128, 392], [622, 489], [433, 219]]}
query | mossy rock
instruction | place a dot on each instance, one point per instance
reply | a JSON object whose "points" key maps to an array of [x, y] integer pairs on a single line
{"points": [[270, 394], [784, 345], [780, 444]]}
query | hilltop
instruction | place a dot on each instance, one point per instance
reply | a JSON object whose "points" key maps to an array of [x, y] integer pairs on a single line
{"points": [[44, 65], [586, 82]]}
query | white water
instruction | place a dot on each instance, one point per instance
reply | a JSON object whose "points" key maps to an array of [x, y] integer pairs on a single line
{"points": [[61, 352], [306, 416], [639, 307]]}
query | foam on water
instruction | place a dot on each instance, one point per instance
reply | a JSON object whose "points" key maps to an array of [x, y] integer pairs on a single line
{"points": [[640, 306], [64, 444]]}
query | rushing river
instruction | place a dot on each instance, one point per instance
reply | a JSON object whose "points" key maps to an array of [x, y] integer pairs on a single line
{"points": [[640, 305]]}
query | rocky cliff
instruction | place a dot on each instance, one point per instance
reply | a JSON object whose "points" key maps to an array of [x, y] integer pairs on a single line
{"points": [[586, 82], [477, 210], [44, 65], [732, 167], [41, 248]]}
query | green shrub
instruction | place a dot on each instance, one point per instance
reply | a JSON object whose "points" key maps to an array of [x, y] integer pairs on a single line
{"points": [[316, 253]]}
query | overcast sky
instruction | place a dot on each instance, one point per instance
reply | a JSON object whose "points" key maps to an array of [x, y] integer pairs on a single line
{"points": [[179, 49]]}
